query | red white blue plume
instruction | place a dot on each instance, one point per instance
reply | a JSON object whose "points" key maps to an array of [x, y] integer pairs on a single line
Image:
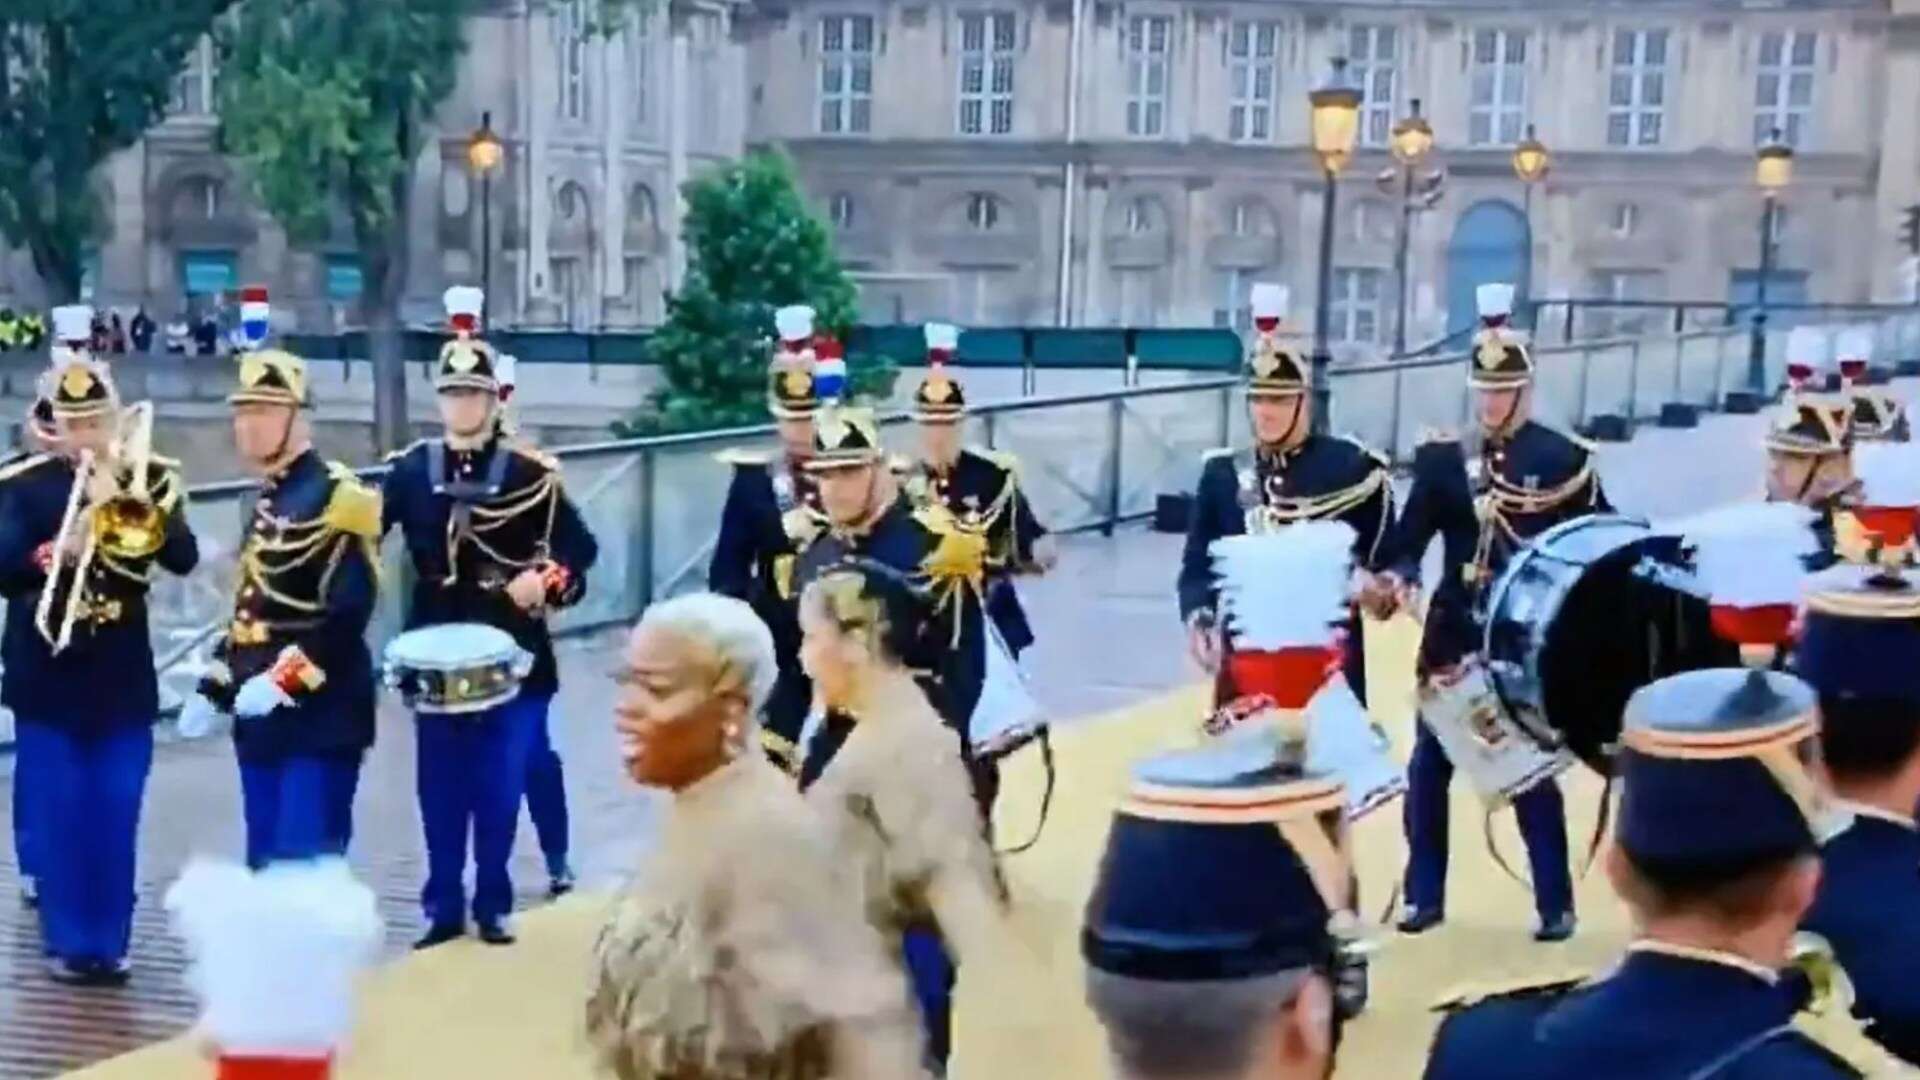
{"points": [[829, 369], [1889, 473], [1751, 555], [1268, 303], [256, 317], [943, 341], [275, 954], [1288, 588], [464, 304], [1807, 356], [73, 325]]}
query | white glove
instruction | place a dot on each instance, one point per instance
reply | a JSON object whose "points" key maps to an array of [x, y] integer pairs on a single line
{"points": [[259, 696], [198, 718]]}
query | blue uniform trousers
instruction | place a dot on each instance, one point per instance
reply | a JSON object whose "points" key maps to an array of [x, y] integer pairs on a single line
{"points": [[25, 855], [930, 971], [85, 817], [546, 788], [1543, 826], [472, 773], [299, 806]]}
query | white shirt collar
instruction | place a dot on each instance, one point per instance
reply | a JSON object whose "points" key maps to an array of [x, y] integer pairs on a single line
{"points": [[1706, 956], [1860, 809]]}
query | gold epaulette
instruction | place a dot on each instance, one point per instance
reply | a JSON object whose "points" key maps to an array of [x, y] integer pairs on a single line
{"points": [[353, 507], [537, 456], [960, 552], [1466, 996], [31, 461], [405, 450], [741, 457]]}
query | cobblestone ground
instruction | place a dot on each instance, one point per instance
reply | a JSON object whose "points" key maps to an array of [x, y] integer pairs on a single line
{"points": [[1108, 638]]}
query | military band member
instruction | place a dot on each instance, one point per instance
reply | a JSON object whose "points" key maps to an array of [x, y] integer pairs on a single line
{"points": [[293, 667], [1714, 854], [1525, 479], [868, 517], [1877, 415], [80, 533], [1209, 939], [1860, 651], [772, 509], [980, 488], [493, 539], [1289, 474], [1809, 444]]}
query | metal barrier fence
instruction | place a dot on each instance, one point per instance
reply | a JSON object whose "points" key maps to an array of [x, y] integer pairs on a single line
{"points": [[1089, 461], [1387, 405]]}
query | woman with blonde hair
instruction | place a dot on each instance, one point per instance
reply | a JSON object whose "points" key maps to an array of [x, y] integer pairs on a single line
{"points": [[896, 792], [734, 954]]}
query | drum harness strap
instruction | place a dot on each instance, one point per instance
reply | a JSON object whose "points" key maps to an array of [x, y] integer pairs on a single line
{"points": [[476, 512], [1505, 500]]}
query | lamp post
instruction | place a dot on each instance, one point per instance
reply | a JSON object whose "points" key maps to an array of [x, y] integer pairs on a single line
{"points": [[1335, 111], [1531, 162], [484, 154], [1772, 172], [1410, 143]]}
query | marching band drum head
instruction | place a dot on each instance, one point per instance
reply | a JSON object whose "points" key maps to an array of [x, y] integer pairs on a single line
{"points": [[1576, 624], [456, 667]]}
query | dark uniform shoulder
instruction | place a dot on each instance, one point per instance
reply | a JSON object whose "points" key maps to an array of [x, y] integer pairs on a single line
{"points": [[1488, 1033], [413, 454], [995, 461], [527, 455], [741, 457], [1348, 456], [20, 464], [1553, 444]]}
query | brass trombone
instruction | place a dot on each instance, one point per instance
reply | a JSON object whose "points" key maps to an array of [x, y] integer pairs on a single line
{"points": [[126, 525]]}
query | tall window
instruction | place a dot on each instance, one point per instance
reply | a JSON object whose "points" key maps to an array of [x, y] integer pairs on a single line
{"points": [[1499, 105], [639, 31], [1372, 56], [986, 73], [983, 212], [193, 87], [846, 74], [1637, 95], [1783, 92], [570, 32], [1354, 309], [1231, 307], [1149, 49], [840, 210], [1253, 49]]}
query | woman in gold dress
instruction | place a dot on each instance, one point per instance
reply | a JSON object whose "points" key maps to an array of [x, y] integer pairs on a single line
{"points": [[895, 793], [734, 954]]}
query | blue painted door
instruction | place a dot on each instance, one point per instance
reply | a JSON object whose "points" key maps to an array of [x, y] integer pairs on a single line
{"points": [[1491, 242]]}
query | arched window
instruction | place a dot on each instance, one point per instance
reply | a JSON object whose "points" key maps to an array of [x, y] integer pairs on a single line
{"points": [[1140, 216], [569, 203]]}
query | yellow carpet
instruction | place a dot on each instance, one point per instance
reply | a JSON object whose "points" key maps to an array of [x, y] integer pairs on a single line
{"points": [[474, 1013]]}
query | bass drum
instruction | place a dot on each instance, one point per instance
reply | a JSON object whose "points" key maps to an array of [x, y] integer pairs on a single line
{"points": [[1583, 616]]}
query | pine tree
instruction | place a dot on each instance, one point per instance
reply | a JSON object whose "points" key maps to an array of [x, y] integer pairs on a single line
{"points": [[753, 246]]}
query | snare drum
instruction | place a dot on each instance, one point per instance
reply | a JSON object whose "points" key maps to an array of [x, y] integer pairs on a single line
{"points": [[1499, 759], [456, 667]]}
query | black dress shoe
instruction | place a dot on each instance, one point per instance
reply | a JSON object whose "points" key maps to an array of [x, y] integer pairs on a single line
{"points": [[1558, 928], [69, 972], [440, 934], [111, 972], [496, 933], [561, 884], [1419, 920]]}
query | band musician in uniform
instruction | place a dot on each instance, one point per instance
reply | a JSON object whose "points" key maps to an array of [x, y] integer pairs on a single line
{"points": [[772, 510], [1525, 479], [980, 488], [1877, 415], [1289, 474], [80, 533], [493, 539], [1859, 649], [1809, 441], [293, 667], [1715, 855]]}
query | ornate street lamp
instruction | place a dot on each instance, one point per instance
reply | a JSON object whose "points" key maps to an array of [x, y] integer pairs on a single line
{"points": [[1531, 163], [1410, 142], [484, 155], [1335, 111], [1772, 172]]}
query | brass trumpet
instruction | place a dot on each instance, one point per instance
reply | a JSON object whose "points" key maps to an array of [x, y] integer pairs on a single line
{"points": [[126, 525]]}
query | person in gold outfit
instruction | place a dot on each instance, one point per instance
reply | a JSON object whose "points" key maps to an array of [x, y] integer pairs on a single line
{"points": [[896, 795], [733, 955]]}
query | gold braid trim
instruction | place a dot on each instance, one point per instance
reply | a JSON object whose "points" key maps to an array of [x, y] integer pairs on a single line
{"points": [[1286, 510], [1505, 499], [491, 517]]}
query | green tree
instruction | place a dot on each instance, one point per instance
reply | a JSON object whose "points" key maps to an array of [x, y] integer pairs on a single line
{"points": [[80, 80], [753, 246]]}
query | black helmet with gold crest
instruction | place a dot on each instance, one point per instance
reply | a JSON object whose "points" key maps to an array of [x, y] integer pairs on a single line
{"points": [[791, 393], [466, 362], [1274, 366], [76, 385], [1500, 360], [940, 399], [271, 377], [844, 437]]}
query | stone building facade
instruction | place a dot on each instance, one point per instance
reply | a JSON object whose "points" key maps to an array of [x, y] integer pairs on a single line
{"points": [[599, 133], [960, 147]]}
